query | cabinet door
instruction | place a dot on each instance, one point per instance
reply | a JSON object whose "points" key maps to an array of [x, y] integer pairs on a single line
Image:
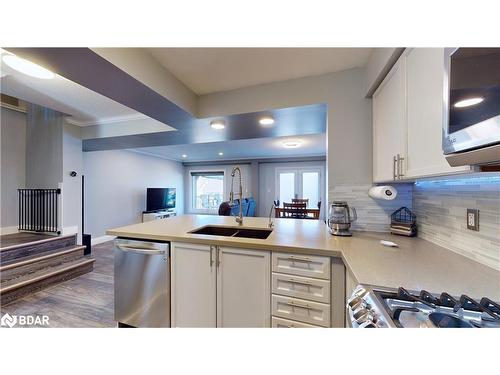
{"points": [[243, 288], [425, 88], [389, 122], [193, 284]]}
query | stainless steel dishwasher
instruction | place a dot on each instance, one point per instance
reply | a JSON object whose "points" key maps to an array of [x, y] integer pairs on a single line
{"points": [[142, 283]]}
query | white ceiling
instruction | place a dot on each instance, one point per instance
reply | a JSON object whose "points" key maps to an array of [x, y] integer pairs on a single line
{"points": [[85, 106], [207, 70], [311, 145]]}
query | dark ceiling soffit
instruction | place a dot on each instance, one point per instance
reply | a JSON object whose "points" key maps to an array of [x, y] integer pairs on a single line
{"points": [[81, 64], [291, 159], [294, 121]]}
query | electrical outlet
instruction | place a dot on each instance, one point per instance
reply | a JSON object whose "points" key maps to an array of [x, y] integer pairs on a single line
{"points": [[473, 219]]}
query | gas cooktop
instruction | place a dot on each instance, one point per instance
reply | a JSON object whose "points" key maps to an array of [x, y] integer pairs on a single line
{"points": [[372, 307]]}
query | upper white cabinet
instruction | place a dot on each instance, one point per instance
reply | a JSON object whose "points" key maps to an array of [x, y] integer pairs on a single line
{"points": [[243, 288], [215, 286], [389, 117], [408, 118], [425, 88]]}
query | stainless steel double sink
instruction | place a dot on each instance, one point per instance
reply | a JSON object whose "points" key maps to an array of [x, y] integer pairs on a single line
{"points": [[214, 230]]}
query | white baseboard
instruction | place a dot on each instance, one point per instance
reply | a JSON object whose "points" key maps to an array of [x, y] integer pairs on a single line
{"points": [[8, 230], [98, 240]]}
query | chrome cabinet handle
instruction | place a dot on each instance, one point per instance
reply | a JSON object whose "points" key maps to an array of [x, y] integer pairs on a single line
{"points": [[394, 173], [400, 166], [295, 304], [294, 257], [211, 256], [140, 250], [218, 255], [299, 282]]}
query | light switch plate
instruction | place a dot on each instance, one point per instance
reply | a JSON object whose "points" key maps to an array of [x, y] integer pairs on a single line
{"points": [[473, 219]]}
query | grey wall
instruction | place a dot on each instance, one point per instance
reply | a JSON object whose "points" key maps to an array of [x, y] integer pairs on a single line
{"points": [[72, 161], [115, 187], [44, 148], [267, 183], [441, 208], [13, 163]]}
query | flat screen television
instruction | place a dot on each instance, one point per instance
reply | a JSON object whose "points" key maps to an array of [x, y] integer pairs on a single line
{"points": [[160, 199]]}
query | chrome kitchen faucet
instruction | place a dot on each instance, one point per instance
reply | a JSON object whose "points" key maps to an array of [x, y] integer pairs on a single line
{"points": [[239, 218]]}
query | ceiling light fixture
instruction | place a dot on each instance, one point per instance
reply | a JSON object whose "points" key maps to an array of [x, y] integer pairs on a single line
{"points": [[291, 144], [184, 156], [266, 120], [27, 67], [221, 153], [468, 102], [218, 124]]}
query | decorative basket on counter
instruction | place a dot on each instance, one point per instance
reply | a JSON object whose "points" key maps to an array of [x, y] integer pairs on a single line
{"points": [[404, 222]]}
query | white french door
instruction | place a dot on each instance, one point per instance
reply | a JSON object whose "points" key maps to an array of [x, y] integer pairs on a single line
{"points": [[302, 183]]}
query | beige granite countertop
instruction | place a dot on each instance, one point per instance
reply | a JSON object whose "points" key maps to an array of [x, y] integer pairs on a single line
{"points": [[416, 264]]}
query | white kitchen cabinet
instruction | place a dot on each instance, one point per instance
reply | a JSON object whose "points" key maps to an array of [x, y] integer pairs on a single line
{"points": [[302, 265], [243, 288], [301, 310], [425, 88], [285, 323], [389, 124], [193, 285], [215, 286]]}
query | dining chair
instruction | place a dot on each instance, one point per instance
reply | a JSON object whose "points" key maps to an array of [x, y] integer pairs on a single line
{"points": [[301, 200], [294, 210]]}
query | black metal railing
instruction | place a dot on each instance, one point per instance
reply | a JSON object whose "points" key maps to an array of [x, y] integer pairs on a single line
{"points": [[39, 210]]}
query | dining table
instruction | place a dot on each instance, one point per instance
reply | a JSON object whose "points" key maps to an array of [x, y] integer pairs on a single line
{"points": [[311, 212]]}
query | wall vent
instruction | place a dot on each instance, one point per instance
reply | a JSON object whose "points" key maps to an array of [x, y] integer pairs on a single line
{"points": [[11, 102]]}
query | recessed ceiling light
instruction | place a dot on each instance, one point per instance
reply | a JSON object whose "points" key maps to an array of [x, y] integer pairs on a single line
{"points": [[291, 144], [27, 67], [221, 153], [184, 156], [266, 120], [218, 124], [468, 102]]}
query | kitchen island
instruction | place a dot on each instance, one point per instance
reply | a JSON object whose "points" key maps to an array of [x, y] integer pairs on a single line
{"points": [[416, 264]]}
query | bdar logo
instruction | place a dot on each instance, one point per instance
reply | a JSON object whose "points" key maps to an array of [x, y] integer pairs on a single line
{"points": [[8, 320]]}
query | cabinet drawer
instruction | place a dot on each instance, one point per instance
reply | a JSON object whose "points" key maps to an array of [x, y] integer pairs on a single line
{"points": [[302, 265], [301, 310], [301, 287], [285, 323]]}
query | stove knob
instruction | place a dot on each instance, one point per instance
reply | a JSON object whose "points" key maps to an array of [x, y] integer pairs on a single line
{"points": [[354, 302], [368, 324], [360, 292], [362, 315]]}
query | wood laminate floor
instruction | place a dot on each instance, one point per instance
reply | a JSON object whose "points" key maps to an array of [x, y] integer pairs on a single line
{"points": [[86, 301]]}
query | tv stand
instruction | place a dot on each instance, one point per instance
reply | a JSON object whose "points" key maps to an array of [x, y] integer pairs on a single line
{"points": [[157, 215]]}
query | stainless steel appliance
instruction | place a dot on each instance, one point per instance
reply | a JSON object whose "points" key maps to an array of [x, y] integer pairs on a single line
{"points": [[471, 126], [340, 217], [142, 283], [373, 307]]}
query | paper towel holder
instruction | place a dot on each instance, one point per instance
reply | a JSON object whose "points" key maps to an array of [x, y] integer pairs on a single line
{"points": [[385, 192]]}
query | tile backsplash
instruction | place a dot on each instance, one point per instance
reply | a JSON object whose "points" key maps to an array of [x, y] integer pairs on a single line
{"points": [[441, 208], [373, 214]]}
